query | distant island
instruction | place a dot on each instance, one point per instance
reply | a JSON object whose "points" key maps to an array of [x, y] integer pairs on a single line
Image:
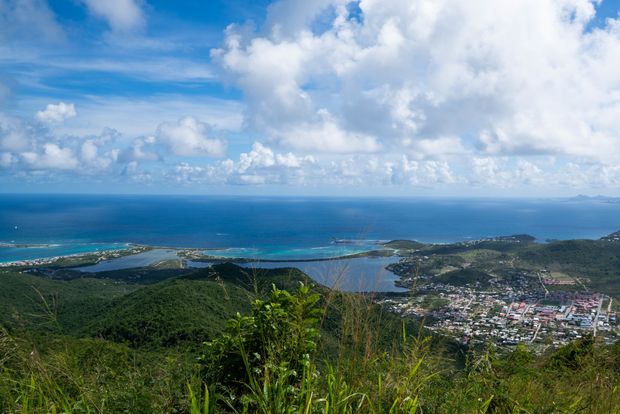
{"points": [[599, 198]]}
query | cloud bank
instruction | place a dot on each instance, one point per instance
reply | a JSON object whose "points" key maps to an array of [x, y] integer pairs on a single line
{"points": [[429, 76], [423, 93]]}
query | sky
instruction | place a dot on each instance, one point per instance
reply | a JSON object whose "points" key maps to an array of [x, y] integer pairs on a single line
{"points": [[323, 97]]}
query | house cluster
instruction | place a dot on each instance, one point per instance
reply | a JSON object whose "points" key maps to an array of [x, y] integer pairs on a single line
{"points": [[508, 315], [98, 257]]}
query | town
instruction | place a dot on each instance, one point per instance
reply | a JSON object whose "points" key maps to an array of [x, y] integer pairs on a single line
{"points": [[511, 307]]}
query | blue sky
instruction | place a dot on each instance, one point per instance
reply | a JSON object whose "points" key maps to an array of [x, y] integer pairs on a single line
{"points": [[392, 97]]}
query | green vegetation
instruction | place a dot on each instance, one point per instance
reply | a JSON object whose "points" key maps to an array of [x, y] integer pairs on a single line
{"points": [[168, 313], [593, 264], [596, 260], [41, 304], [404, 244], [228, 339], [462, 277], [433, 302], [266, 363]]}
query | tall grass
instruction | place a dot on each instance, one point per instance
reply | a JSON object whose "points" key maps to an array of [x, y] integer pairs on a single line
{"points": [[274, 361], [52, 374], [371, 370]]}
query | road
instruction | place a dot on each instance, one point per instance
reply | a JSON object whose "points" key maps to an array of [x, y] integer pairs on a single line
{"points": [[543, 284], [536, 333], [598, 311]]}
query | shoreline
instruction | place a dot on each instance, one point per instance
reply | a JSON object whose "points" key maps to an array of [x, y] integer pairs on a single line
{"points": [[384, 249]]}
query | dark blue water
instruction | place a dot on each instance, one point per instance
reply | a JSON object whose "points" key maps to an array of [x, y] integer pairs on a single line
{"points": [[271, 226]]}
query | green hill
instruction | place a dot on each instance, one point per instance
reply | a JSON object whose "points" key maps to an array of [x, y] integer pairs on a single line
{"points": [[127, 344], [596, 260], [462, 277], [34, 302], [169, 312]]}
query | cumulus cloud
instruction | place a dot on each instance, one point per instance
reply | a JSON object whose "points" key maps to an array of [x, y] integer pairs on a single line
{"points": [[135, 173], [417, 173], [263, 165], [420, 94], [121, 15], [260, 165], [56, 113], [323, 134], [92, 157], [32, 147], [432, 77], [189, 138], [52, 157], [142, 149]]}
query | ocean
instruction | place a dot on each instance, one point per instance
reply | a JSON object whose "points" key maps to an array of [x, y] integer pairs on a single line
{"points": [[285, 227], [281, 228]]}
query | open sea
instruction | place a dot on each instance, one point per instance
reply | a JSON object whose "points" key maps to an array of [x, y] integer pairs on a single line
{"points": [[280, 228]]}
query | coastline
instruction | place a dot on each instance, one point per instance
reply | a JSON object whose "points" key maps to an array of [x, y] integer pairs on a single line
{"points": [[384, 249], [77, 259]]}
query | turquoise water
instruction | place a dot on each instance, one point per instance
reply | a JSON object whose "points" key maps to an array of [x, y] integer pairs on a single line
{"points": [[282, 227], [332, 250]]}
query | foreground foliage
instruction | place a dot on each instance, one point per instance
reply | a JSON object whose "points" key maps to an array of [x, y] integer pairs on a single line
{"points": [[294, 349], [264, 364]]}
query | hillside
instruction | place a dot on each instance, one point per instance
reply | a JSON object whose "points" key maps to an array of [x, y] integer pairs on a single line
{"points": [[596, 260], [128, 341], [33, 302], [462, 277]]}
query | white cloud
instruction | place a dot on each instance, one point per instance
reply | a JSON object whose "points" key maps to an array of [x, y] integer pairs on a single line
{"points": [[28, 20], [323, 134], [121, 15], [432, 77], [32, 147], [505, 172], [286, 17], [138, 116], [56, 113], [159, 68], [141, 150], [53, 157], [263, 165], [7, 160], [418, 173], [263, 157], [14, 134], [260, 165], [133, 172], [92, 159], [188, 138], [417, 94]]}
